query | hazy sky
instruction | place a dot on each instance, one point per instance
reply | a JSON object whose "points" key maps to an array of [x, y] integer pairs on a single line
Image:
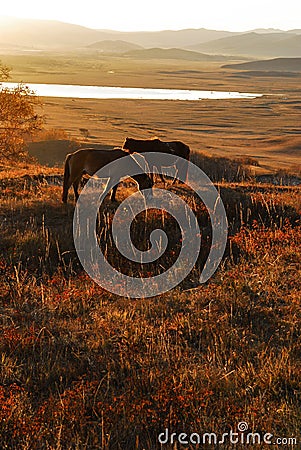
{"points": [[133, 15]]}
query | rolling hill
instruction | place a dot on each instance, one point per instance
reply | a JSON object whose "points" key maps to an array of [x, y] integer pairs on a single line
{"points": [[255, 44], [45, 34], [277, 64], [173, 38], [173, 53], [114, 46], [48, 35]]}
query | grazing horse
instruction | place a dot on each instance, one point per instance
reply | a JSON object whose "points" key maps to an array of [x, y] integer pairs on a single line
{"points": [[176, 148], [89, 161]]}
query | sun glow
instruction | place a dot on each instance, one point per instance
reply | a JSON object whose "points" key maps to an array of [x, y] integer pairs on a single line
{"points": [[134, 15]]}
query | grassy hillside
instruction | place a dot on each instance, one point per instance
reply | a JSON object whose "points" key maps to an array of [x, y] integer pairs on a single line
{"points": [[264, 128], [172, 53], [82, 368], [278, 64], [114, 46], [255, 44]]}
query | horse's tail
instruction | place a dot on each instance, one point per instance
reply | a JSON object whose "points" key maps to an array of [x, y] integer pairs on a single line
{"points": [[188, 157], [184, 166], [66, 178], [187, 152]]}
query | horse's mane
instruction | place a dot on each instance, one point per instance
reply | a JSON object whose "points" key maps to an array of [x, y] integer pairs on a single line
{"points": [[141, 144], [156, 145]]}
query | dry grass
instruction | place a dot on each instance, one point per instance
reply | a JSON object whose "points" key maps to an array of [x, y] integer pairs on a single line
{"points": [[84, 369]]}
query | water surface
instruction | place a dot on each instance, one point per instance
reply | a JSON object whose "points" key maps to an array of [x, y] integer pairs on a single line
{"points": [[108, 92]]}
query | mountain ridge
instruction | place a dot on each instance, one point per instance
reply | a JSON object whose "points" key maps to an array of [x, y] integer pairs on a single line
{"points": [[60, 36], [255, 44]]}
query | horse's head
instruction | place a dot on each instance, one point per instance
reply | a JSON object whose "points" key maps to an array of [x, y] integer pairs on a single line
{"points": [[128, 144], [144, 182]]}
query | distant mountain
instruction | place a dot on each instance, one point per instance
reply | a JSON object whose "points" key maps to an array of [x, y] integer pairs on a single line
{"points": [[277, 64], [53, 34], [172, 38], [255, 44], [116, 46], [266, 30], [173, 53], [46, 35]]}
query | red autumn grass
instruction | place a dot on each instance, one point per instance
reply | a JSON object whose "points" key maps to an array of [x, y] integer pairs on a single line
{"points": [[84, 369]]}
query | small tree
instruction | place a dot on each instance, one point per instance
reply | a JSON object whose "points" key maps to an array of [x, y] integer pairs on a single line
{"points": [[4, 72], [84, 132], [18, 118]]}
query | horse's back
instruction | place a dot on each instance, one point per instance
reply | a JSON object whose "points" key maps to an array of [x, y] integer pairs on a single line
{"points": [[142, 145], [156, 145], [180, 148], [90, 160]]}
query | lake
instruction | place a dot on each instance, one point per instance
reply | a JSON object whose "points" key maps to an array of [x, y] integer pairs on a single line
{"points": [[108, 92]]}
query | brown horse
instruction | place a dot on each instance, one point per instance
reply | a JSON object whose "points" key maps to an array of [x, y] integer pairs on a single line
{"points": [[89, 161], [176, 148]]}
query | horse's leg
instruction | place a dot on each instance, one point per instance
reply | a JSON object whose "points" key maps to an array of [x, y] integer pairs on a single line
{"points": [[67, 184], [75, 187], [182, 168], [162, 178], [113, 194], [152, 176], [72, 181], [65, 193]]}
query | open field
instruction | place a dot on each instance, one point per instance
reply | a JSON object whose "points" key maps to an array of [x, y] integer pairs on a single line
{"points": [[265, 128], [83, 369]]}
